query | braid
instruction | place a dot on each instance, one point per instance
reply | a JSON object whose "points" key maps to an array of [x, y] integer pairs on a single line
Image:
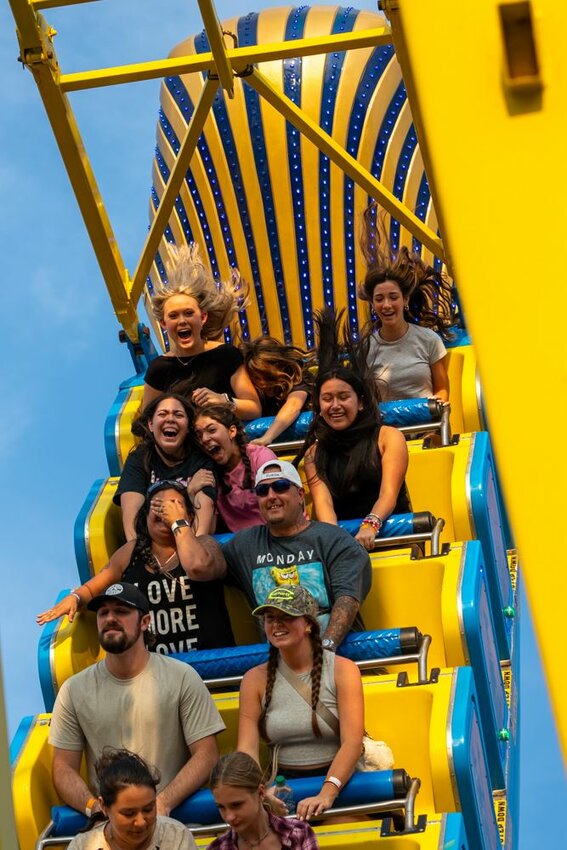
{"points": [[241, 442], [270, 680], [226, 416], [316, 672]]}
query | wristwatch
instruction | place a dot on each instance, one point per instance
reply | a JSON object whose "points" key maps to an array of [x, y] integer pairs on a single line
{"points": [[329, 643], [180, 523]]}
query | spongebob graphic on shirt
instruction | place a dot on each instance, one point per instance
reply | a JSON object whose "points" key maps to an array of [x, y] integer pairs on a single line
{"points": [[310, 575]]}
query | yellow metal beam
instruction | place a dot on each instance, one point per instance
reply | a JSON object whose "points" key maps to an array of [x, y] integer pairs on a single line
{"points": [[216, 40], [38, 5], [492, 99], [38, 53], [240, 58], [172, 188], [337, 154]]}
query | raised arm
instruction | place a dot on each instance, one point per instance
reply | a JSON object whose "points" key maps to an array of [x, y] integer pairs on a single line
{"points": [[320, 493], [394, 452], [130, 503], [440, 379], [80, 596], [286, 416], [201, 557], [350, 705]]}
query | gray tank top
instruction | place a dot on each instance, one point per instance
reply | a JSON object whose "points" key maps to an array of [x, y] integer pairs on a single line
{"points": [[288, 722]]}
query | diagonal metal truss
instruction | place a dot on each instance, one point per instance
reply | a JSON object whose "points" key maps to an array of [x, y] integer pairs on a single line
{"points": [[37, 53]]}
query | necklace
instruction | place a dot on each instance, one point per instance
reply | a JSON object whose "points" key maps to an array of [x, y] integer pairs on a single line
{"points": [[259, 841], [179, 360], [162, 567], [107, 830]]}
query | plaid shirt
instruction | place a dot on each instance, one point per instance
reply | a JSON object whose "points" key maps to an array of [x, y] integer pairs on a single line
{"points": [[293, 834]]}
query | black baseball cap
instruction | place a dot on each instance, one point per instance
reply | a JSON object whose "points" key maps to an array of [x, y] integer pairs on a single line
{"points": [[123, 592]]}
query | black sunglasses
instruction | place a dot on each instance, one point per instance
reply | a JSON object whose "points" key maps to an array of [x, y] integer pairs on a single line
{"points": [[278, 485]]}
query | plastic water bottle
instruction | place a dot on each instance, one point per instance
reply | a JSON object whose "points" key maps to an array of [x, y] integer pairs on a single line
{"points": [[284, 793]]}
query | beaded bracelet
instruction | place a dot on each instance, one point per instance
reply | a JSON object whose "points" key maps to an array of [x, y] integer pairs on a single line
{"points": [[373, 521]]}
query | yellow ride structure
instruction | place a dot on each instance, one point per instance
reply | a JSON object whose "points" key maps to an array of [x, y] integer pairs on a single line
{"points": [[275, 129]]}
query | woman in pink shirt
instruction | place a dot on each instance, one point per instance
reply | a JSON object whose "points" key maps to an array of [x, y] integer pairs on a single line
{"points": [[221, 436]]}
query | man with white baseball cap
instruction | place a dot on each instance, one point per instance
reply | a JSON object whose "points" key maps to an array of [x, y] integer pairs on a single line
{"points": [[148, 703], [291, 549]]}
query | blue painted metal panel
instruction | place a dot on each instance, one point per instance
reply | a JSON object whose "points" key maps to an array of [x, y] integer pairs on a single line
{"points": [[471, 766], [488, 526], [20, 737], [454, 836], [44, 658], [81, 554], [483, 656]]}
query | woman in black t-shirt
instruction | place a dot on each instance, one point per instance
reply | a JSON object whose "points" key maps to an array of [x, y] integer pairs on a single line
{"points": [[166, 561], [194, 309], [166, 451]]}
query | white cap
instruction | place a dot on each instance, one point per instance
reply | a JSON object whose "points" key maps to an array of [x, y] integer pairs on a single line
{"points": [[273, 469]]}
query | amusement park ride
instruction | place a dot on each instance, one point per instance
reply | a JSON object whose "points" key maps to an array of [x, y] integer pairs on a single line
{"points": [[274, 131]]}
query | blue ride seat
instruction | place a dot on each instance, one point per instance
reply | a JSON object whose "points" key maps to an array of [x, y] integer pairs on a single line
{"points": [[200, 807], [234, 661], [405, 412]]}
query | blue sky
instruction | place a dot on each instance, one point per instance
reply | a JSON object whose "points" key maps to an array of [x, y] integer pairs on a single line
{"points": [[62, 358]]}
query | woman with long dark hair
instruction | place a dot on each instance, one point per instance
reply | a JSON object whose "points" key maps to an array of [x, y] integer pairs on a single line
{"points": [[412, 308], [355, 466], [279, 700], [281, 376], [166, 561], [221, 436], [127, 817], [167, 451]]}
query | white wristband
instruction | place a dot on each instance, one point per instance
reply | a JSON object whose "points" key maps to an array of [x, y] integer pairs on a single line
{"points": [[334, 781]]}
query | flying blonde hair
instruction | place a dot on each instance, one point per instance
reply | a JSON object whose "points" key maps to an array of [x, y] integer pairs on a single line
{"points": [[188, 275]]}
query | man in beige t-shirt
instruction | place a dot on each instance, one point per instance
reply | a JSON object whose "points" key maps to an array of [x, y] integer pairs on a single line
{"points": [[150, 704]]}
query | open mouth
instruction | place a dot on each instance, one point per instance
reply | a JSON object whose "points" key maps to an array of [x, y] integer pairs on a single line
{"points": [[170, 433], [184, 333]]}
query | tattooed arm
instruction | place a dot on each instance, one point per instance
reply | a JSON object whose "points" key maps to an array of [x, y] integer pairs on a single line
{"points": [[343, 613]]}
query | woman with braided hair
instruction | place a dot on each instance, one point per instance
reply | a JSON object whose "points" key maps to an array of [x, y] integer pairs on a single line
{"points": [[279, 700], [412, 305], [194, 309], [166, 562], [222, 438]]}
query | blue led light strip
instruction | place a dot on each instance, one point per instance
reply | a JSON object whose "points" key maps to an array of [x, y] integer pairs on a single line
{"points": [[421, 207], [183, 101], [292, 88], [370, 78], [229, 146], [247, 36], [344, 22], [406, 153]]}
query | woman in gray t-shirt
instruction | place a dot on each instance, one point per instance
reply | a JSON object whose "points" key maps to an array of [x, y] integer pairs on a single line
{"points": [[411, 304]]}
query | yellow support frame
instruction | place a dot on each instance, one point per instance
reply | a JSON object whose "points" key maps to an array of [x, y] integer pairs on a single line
{"points": [[499, 193], [222, 65]]}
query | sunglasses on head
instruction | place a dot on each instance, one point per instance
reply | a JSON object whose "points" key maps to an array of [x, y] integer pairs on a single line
{"points": [[278, 485]]}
